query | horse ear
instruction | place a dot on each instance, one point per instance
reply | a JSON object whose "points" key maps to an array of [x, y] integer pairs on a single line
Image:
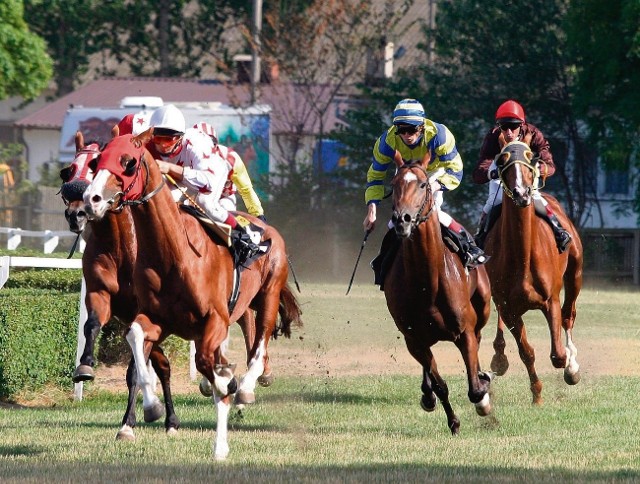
{"points": [[527, 139], [79, 141], [115, 131], [143, 138], [397, 158]]}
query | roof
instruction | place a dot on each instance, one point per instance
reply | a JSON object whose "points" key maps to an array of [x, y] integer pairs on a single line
{"points": [[289, 103]]}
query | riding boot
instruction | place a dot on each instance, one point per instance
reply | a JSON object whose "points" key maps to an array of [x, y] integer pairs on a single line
{"points": [[470, 254], [379, 264], [563, 238], [481, 232], [245, 243]]}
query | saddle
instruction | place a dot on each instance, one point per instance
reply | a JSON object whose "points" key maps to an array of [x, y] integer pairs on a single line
{"points": [[223, 234]]}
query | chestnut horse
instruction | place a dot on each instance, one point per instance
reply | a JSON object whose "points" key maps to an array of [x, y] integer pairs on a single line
{"points": [[107, 266], [527, 271], [184, 279], [431, 296]]}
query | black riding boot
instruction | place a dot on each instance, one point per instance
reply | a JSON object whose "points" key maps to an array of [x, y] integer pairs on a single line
{"points": [[486, 224], [470, 254], [243, 245], [381, 263], [563, 238]]}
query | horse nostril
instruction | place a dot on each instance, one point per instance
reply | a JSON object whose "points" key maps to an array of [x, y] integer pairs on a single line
{"points": [[406, 218], [96, 199]]}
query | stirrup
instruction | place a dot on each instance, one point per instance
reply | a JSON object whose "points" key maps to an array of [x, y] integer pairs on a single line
{"points": [[563, 240]]}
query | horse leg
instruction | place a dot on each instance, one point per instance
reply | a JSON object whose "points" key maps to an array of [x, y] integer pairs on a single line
{"points": [[499, 361], [554, 321], [478, 393], [99, 310], [264, 323], [163, 369], [129, 418], [527, 355], [572, 286], [432, 383], [221, 376], [153, 409]]}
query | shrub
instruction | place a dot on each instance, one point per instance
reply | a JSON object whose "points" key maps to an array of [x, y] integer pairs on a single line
{"points": [[38, 338]]}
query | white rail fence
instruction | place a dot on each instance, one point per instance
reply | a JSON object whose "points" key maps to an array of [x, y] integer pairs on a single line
{"points": [[6, 262], [50, 238]]}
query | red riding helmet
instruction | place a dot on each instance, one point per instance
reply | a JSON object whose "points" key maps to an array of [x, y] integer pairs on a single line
{"points": [[510, 112]]}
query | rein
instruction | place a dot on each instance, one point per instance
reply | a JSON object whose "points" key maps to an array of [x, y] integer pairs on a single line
{"points": [[419, 219]]}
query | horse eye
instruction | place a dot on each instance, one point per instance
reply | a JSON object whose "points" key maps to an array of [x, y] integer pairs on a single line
{"points": [[423, 185]]}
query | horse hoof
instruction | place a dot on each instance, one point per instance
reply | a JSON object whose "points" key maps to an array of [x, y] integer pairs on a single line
{"points": [[83, 373], [571, 378], [483, 407], [455, 427], [126, 434], [205, 388], [428, 404], [154, 412], [244, 398], [499, 364], [266, 380], [172, 432]]}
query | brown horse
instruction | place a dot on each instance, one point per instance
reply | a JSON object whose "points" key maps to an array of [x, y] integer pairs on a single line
{"points": [[107, 266], [527, 271], [183, 279], [431, 296], [107, 269]]}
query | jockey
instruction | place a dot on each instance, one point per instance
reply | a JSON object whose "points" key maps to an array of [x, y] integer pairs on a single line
{"points": [[188, 156], [414, 136], [511, 124], [238, 178]]}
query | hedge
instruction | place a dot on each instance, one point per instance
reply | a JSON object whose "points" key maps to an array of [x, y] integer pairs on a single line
{"points": [[38, 338]]}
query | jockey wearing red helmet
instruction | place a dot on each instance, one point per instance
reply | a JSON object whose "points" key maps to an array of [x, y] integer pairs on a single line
{"points": [[511, 125]]}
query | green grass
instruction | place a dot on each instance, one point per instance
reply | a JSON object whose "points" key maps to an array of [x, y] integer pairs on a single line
{"points": [[345, 408]]}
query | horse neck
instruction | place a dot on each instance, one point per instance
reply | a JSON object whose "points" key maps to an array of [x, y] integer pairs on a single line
{"points": [[518, 231], [425, 247], [115, 234], [158, 226]]}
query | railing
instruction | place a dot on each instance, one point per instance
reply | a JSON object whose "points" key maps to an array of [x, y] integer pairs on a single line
{"points": [[51, 238], [6, 262]]}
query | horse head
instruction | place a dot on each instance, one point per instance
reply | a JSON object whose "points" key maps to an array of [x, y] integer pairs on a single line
{"points": [[518, 172], [119, 178], [413, 200], [76, 178]]}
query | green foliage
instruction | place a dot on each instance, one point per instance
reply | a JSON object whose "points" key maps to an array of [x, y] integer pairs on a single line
{"points": [[38, 330], [25, 67], [64, 280]]}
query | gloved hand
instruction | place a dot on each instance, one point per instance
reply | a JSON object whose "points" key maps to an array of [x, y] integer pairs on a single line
{"points": [[493, 174], [263, 218]]}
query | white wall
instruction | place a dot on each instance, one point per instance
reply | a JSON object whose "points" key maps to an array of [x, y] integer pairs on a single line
{"points": [[42, 147]]}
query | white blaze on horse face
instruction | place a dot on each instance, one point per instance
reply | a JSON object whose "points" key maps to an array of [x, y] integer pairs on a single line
{"points": [[409, 177], [94, 194]]}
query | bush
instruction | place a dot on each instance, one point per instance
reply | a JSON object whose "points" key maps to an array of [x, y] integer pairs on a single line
{"points": [[38, 339]]}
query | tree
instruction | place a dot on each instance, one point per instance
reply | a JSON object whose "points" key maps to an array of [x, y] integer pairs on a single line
{"points": [[607, 75], [74, 31], [484, 54], [25, 67]]}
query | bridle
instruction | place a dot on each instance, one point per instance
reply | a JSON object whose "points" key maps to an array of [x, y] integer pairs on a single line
{"points": [[139, 201], [527, 162], [418, 218]]}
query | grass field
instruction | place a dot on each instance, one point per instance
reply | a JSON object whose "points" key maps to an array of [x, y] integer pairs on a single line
{"points": [[345, 408]]}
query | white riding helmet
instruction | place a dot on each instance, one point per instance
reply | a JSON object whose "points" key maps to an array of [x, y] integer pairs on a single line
{"points": [[167, 120]]}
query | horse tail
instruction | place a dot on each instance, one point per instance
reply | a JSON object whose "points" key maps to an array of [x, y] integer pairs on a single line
{"points": [[290, 312]]}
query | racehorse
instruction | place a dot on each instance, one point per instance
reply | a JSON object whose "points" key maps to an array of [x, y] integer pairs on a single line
{"points": [[527, 271], [431, 296], [107, 267], [184, 279]]}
